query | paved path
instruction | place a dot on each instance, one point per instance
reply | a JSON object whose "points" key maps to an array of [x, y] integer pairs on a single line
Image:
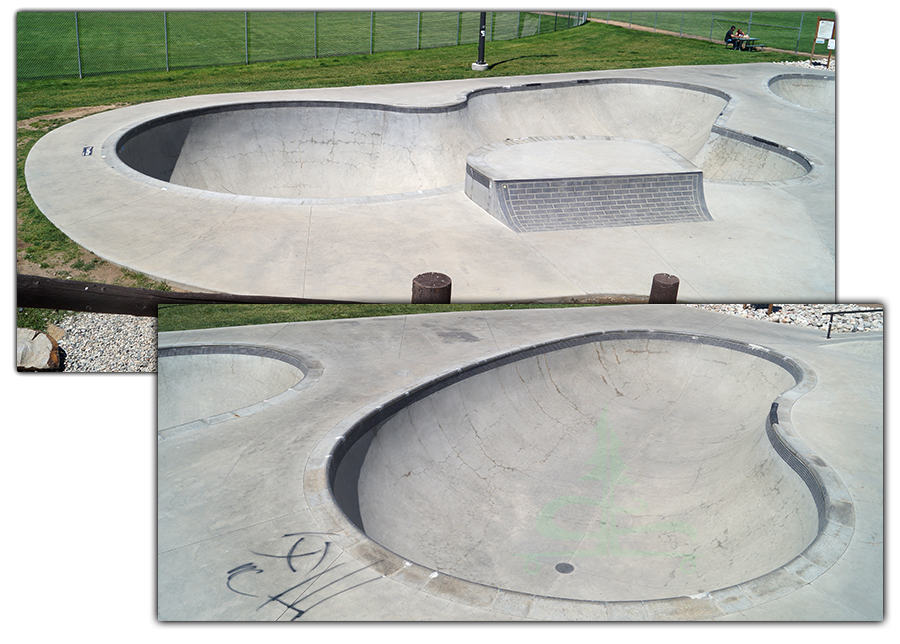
{"points": [[247, 529], [381, 189]]}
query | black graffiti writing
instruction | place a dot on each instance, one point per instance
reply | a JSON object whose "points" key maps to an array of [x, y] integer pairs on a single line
{"points": [[304, 599], [293, 552], [234, 572], [307, 555]]}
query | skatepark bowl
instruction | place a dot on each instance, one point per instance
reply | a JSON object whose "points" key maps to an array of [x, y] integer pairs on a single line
{"points": [[613, 467], [327, 151], [807, 90], [204, 385], [546, 186]]}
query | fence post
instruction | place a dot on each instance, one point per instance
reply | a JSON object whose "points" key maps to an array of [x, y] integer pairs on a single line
{"points": [[78, 45], [750, 23], [418, 29], [315, 34], [166, 36], [799, 29], [371, 32], [712, 26], [246, 40]]}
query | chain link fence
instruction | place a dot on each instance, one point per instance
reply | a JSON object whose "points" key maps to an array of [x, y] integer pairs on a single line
{"points": [[67, 44]]}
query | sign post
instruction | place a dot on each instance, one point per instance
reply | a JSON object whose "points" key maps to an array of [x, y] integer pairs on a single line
{"points": [[824, 36], [480, 65]]}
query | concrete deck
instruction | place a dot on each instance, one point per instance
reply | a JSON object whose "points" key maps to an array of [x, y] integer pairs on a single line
{"points": [[664, 443], [348, 193]]}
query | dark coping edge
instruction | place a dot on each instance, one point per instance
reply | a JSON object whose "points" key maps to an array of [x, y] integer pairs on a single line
{"points": [[833, 503], [406, 109], [796, 464], [462, 104], [235, 349], [770, 146], [478, 176], [804, 75], [311, 369]]}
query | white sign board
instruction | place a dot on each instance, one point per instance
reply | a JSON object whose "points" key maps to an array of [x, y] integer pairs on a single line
{"points": [[826, 29]]}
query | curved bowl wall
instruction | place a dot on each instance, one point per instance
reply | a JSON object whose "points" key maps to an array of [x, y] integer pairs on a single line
{"points": [[806, 90], [341, 150], [196, 383], [632, 467]]}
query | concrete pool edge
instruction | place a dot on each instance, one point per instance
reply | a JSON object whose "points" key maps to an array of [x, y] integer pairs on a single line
{"points": [[835, 507], [311, 370]]}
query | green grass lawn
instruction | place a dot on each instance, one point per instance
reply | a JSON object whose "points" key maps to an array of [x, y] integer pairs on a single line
{"points": [[590, 47], [178, 317]]}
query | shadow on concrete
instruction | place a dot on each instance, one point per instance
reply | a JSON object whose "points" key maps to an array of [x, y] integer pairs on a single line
{"points": [[509, 60]]}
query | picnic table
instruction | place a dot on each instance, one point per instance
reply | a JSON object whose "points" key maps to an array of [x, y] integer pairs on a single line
{"points": [[747, 44]]}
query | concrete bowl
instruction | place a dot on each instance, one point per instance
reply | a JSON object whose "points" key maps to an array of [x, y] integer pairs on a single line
{"points": [[624, 466]]}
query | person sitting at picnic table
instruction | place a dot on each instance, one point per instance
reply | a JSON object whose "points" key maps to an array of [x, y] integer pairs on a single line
{"points": [[731, 38]]}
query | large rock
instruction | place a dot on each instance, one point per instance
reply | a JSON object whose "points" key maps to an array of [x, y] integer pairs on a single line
{"points": [[36, 351]]}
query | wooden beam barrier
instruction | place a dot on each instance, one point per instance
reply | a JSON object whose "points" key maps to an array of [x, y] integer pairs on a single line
{"points": [[34, 292]]}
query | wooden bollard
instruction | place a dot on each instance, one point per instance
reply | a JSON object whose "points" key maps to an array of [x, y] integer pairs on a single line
{"points": [[664, 289], [431, 288]]}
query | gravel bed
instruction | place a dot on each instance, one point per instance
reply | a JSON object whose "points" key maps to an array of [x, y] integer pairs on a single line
{"points": [[808, 315], [108, 343], [810, 65]]}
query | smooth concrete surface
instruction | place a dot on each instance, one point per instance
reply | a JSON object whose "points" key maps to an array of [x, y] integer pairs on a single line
{"points": [[660, 441], [575, 157], [349, 193]]}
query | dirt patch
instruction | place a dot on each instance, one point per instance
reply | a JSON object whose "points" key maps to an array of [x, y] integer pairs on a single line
{"points": [[105, 273], [72, 114]]}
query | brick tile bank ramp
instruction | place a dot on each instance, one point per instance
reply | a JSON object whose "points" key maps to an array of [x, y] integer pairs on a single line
{"points": [[301, 192], [514, 465]]}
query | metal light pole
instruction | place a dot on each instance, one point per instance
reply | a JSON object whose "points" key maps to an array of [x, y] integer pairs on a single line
{"points": [[480, 65]]}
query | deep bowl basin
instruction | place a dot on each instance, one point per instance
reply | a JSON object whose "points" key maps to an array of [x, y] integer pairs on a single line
{"points": [[339, 150], [620, 466]]}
